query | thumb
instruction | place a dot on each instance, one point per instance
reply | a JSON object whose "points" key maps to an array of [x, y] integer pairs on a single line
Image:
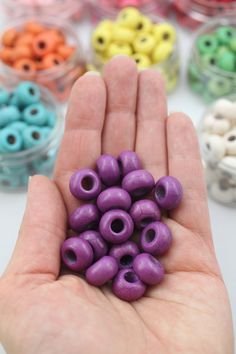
{"points": [[43, 229]]}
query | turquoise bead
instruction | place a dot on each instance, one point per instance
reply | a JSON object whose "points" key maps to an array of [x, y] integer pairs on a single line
{"points": [[219, 86], [27, 93], [8, 182], [46, 131], [207, 44], [8, 115], [225, 34], [4, 96], [35, 114], [10, 140], [226, 61], [32, 136], [19, 126], [51, 119], [13, 101], [45, 164]]}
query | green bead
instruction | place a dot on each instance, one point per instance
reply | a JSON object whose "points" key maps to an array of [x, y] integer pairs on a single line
{"points": [[219, 86], [226, 61], [193, 72], [196, 86], [222, 49], [209, 60], [207, 44], [232, 44], [225, 34]]}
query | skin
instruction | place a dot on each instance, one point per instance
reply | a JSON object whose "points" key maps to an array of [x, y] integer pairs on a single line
{"points": [[44, 311]]}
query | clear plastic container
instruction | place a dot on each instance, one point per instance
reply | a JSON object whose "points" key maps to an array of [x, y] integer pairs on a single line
{"points": [[15, 168], [209, 81], [220, 167], [60, 79], [101, 9], [170, 69], [196, 12], [66, 9]]}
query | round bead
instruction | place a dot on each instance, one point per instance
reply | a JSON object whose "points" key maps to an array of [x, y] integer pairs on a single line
{"points": [[118, 49], [210, 59], [225, 34], [230, 143], [156, 238], [128, 162], [4, 96], [216, 123], [113, 198], [35, 114], [27, 93], [144, 43], [124, 253], [143, 212], [101, 38], [127, 286], [8, 114], [141, 60], [116, 226], [148, 269], [168, 192], [44, 43], [164, 32], [97, 243], [51, 119], [85, 184], [144, 25], [10, 140], [222, 192], [76, 254], [123, 35], [225, 108], [219, 86], [229, 162], [138, 183], [102, 271], [19, 126], [226, 61], [46, 132], [162, 52], [32, 136], [207, 44], [129, 17], [84, 218], [214, 147], [108, 169]]}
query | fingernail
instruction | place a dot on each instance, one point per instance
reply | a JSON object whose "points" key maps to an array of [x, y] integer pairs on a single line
{"points": [[92, 73]]}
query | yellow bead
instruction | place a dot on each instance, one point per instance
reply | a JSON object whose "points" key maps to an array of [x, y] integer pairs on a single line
{"points": [[144, 43], [101, 39], [171, 84], [141, 60], [162, 52], [164, 32], [144, 25], [106, 24], [129, 17], [123, 35], [101, 57], [118, 48]]}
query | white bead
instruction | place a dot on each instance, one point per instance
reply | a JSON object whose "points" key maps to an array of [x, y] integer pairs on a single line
{"points": [[226, 108], [221, 192], [216, 123], [214, 147], [229, 162], [211, 175], [230, 143]]}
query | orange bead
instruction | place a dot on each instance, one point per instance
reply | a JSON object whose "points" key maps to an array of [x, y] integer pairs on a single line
{"points": [[7, 55], [23, 51], [65, 51], [24, 39], [51, 60], [59, 35], [25, 65], [9, 37], [34, 27], [43, 44]]}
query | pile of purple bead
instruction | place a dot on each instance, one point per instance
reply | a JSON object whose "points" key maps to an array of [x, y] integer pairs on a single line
{"points": [[104, 246]]}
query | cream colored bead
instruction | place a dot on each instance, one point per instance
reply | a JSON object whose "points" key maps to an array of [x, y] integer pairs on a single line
{"points": [[230, 143], [215, 123], [214, 147], [222, 192]]}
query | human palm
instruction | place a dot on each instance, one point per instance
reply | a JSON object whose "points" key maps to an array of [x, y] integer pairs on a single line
{"points": [[44, 311]]}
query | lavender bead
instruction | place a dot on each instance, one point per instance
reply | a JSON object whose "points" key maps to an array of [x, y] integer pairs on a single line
{"points": [[108, 169], [127, 286], [143, 212], [116, 226], [138, 183], [113, 198], [97, 243], [148, 269], [156, 238], [76, 254], [85, 184], [84, 218], [124, 253], [168, 192], [129, 161], [102, 271]]}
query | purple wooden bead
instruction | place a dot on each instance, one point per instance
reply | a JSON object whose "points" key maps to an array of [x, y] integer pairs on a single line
{"points": [[113, 198], [108, 169], [156, 238], [85, 184], [168, 192], [148, 269], [97, 243], [124, 253], [138, 183], [76, 254], [84, 218], [129, 161], [102, 271], [127, 286], [143, 212], [116, 226]]}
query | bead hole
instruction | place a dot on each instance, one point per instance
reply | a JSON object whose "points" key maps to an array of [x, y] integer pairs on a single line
{"points": [[87, 183], [32, 91], [100, 40], [11, 139], [70, 256], [139, 192], [160, 192], [145, 221], [232, 138], [33, 112], [35, 135], [126, 260], [131, 277], [41, 44], [166, 36], [139, 26], [150, 235], [26, 67], [117, 226]]}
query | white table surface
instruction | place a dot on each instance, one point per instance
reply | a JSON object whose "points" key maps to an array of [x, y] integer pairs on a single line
{"points": [[223, 219]]}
